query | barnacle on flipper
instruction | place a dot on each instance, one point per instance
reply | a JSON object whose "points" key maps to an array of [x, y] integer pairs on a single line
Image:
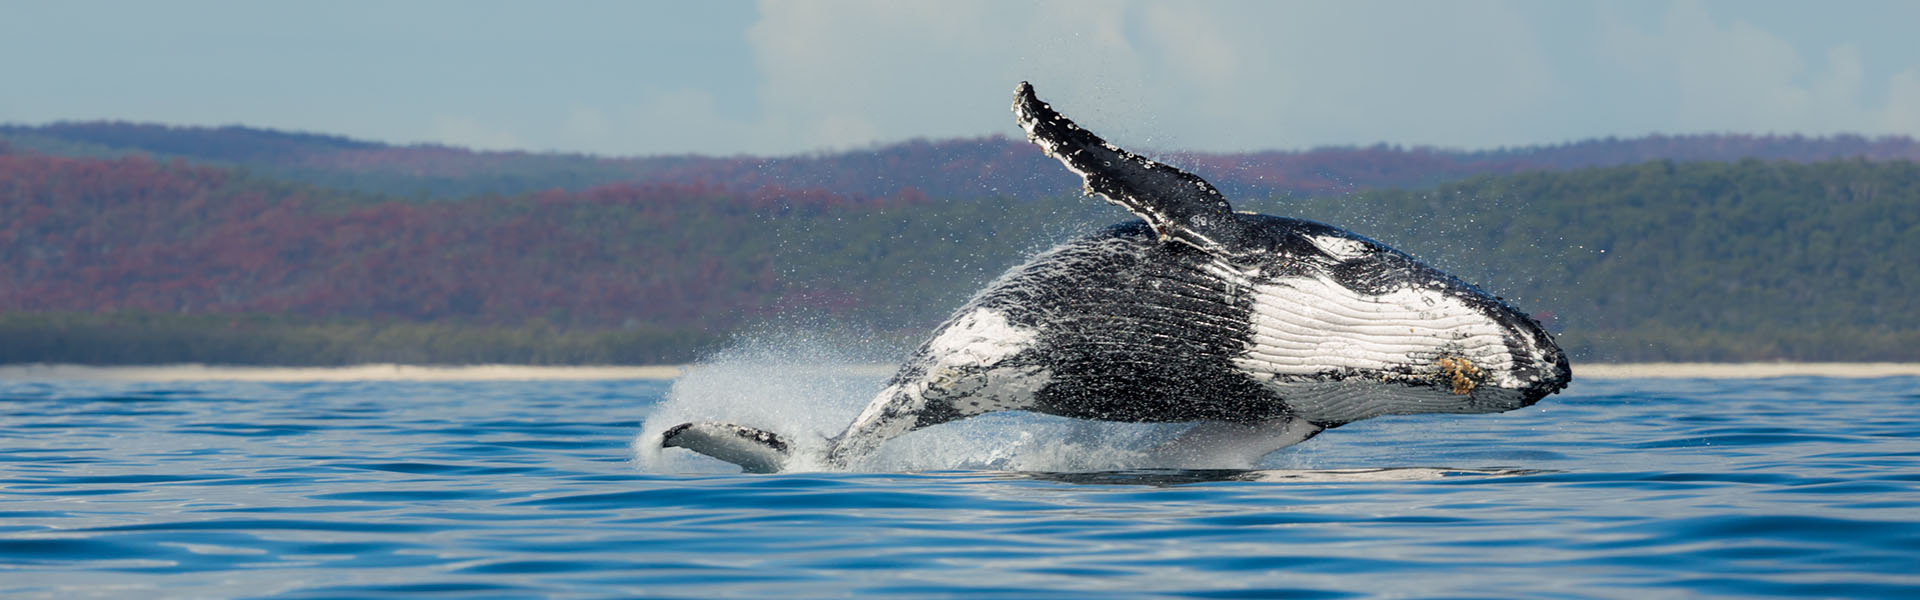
{"points": [[1460, 374]]}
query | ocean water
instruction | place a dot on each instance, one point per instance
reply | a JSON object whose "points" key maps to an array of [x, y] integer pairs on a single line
{"points": [[1655, 488]]}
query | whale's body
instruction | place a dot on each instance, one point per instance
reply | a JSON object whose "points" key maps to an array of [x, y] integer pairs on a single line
{"points": [[1263, 330]]}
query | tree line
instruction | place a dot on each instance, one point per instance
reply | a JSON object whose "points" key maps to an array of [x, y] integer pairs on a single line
{"points": [[133, 260], [955, 168]]}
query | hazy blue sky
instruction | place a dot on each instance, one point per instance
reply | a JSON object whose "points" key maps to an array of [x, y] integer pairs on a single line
{"points": [[720, 77]]}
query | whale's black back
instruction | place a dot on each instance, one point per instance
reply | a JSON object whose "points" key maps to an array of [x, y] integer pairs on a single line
{"points": [[1134, 330]]}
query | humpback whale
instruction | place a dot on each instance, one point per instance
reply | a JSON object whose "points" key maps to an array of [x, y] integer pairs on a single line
{"points": [[1261, 330]]}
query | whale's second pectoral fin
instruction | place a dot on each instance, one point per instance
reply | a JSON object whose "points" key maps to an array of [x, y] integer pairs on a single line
{"points": [[1180, 206], [755, 450], [1222, 445]]}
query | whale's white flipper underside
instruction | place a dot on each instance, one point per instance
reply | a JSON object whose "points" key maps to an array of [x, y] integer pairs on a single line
{"points": [[755, 450]]}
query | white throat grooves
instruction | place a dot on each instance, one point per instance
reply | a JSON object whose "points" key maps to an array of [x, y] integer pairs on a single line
{"points": [[1304, 326]]}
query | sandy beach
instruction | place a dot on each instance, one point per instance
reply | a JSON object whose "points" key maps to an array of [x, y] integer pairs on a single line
{"points": [[391, 372], [1739, 370], [386, 372]]}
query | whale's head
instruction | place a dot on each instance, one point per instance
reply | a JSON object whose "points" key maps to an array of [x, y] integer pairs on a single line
{"points": [[1346, 328]]}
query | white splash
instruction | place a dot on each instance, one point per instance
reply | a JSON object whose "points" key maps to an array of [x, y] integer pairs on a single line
{"points": [[809, 392], [801, 390]]}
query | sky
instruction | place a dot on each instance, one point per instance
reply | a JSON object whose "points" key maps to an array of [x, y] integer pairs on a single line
{"points": [[717, 77]]}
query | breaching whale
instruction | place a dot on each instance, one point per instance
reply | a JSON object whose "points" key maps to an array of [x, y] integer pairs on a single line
{"points": [[1261, 330]]}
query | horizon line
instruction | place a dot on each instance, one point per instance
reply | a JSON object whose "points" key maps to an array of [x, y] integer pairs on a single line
{"points": [[8, 126]]}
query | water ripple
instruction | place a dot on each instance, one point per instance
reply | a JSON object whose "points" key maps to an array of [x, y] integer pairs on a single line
{"points": [[1619, 488]]}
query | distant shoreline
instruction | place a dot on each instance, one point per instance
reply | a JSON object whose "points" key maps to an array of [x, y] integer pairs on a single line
{"points": [[372, 372], [393, 372], [1740, 370]]}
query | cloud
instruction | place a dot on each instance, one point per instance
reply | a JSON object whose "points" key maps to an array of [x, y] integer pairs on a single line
{"points": [[1266, 75], [1241, 75], [468, 132], [1211, 76], [1698, 73], [851, 74], [783, 77], [1902, 112], [841, 74], [676, 121]]}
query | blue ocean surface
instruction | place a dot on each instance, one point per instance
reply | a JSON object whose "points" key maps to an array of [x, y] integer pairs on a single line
{"points": [[1626, 488]]}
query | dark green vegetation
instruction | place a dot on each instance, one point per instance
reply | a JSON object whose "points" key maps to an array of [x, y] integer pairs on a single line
{"points": [[1681, 261], [134, 338], [985, 167], [223, 251]]}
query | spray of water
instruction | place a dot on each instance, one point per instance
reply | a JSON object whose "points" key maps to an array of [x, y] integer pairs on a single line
{"points": [[796, 385], [808, 390]]}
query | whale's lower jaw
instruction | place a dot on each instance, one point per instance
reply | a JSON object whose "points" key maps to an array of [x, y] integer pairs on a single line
{"points": [[1344, 401]]}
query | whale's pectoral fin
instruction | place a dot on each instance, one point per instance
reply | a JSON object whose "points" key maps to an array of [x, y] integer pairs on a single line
{"points": [[1178, 205], [1223, 445], [755, 450]]}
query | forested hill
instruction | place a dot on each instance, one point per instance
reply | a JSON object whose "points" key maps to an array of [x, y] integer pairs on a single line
{"points": [[1681, 261], [992, 166], [137, 260]]}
